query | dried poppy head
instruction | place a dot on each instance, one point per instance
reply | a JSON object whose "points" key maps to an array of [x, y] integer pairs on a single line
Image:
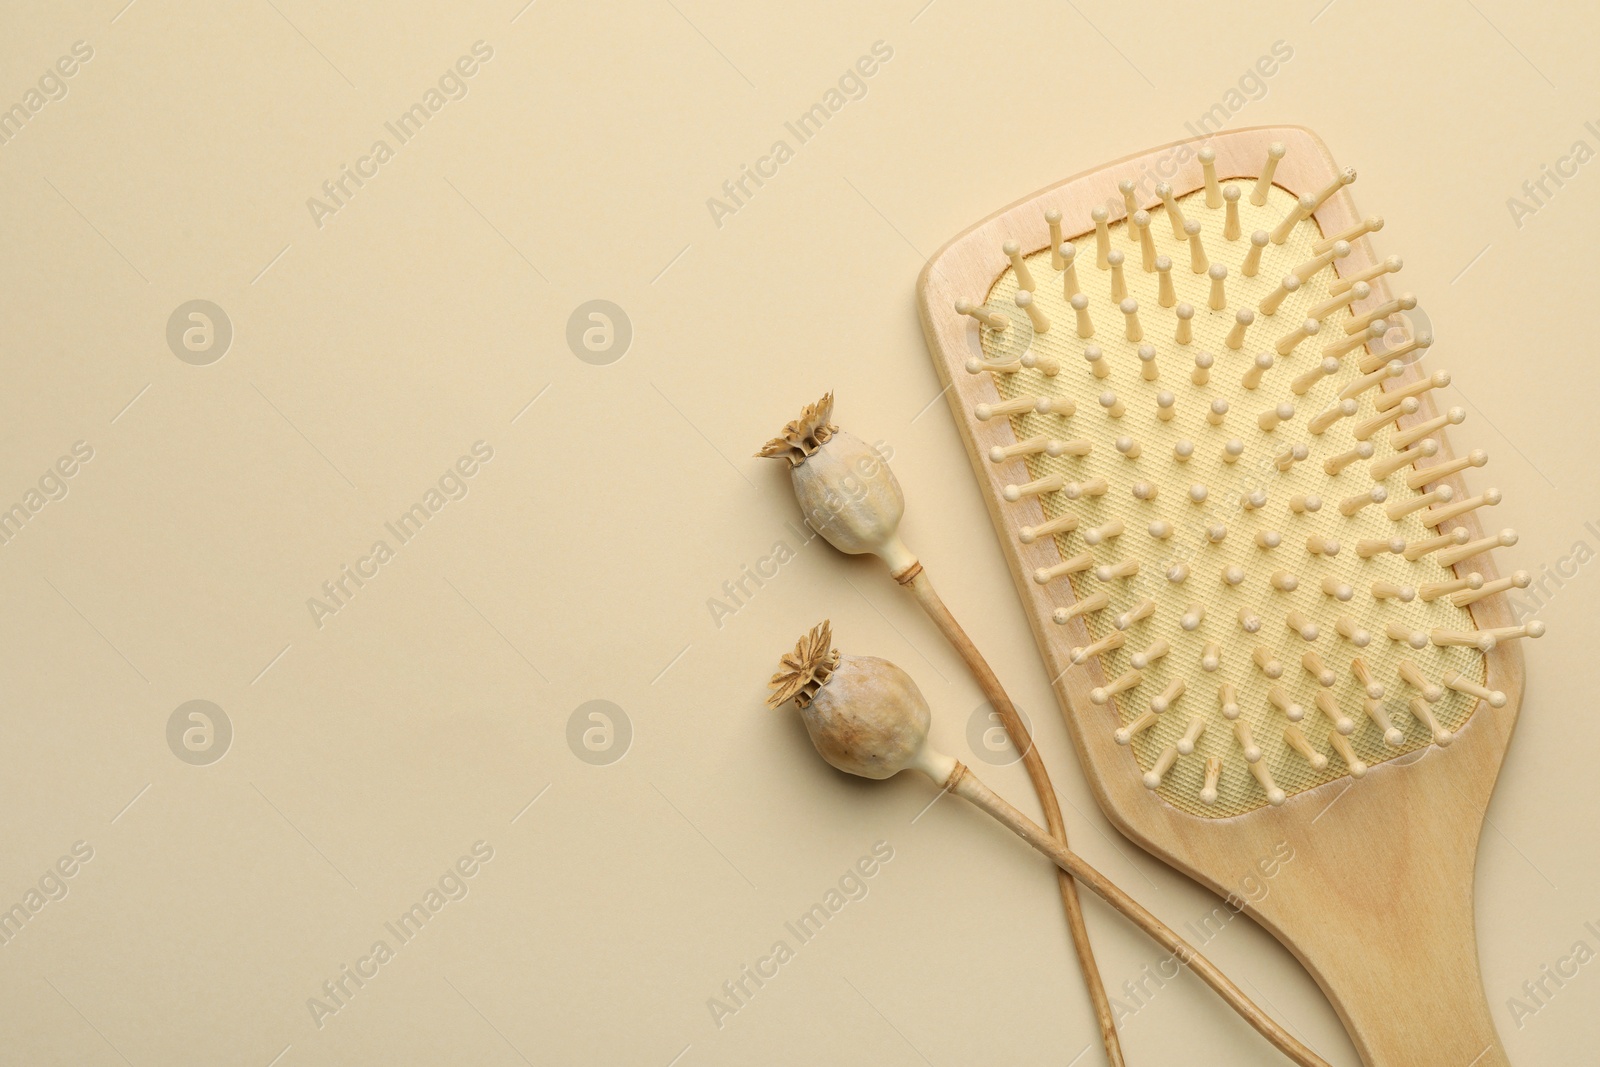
{"points": [[865, 715], [844, 485]]}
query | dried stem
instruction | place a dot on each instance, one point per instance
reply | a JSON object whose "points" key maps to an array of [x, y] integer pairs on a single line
{"points": [[916, 579], [965, 784]]}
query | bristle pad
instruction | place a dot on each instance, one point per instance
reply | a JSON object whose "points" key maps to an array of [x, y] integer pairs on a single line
{"points": [[1261, 593]]}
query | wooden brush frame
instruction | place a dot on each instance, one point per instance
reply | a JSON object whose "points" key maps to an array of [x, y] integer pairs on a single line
{"points": [[1378, 901]]}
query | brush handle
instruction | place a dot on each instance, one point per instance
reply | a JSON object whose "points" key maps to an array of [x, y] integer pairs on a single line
{"points": [[1380, 911], [1422, 1007], [965, 784]]}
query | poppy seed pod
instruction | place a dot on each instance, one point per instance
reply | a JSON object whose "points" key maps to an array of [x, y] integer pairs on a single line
{"points": [[844, 486], [865, 715], [850, 496]]}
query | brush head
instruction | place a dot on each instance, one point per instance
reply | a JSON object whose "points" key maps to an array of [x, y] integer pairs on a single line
{"points": [[1216, 456]]}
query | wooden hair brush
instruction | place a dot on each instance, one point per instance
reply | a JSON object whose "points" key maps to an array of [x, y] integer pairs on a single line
{"points": [[1248, 552]]}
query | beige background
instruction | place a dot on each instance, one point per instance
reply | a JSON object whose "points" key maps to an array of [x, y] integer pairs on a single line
{"points": [[370, 754]]}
